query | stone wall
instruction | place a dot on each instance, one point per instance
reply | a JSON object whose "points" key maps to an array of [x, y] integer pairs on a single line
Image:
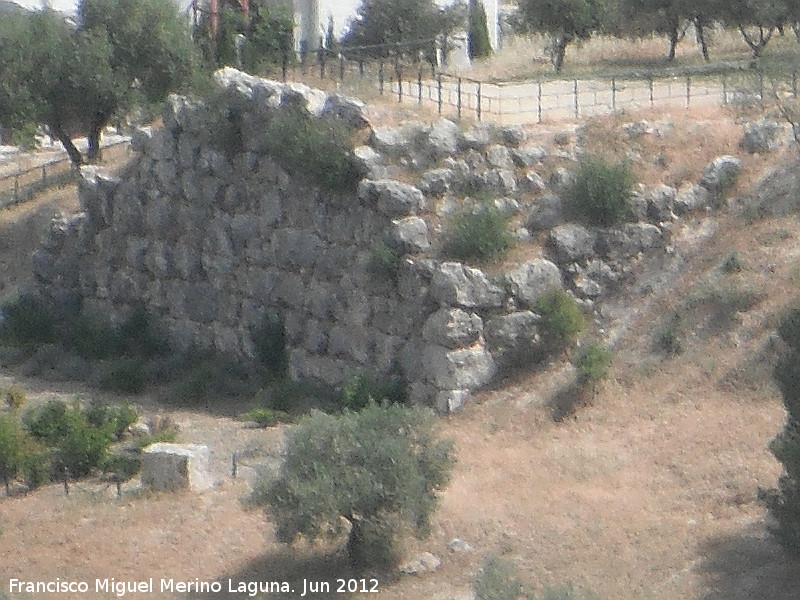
{"points": [[209, 242]]}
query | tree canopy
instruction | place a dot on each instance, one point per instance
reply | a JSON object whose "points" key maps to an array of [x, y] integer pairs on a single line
{"points": [[75, 78], [378, 469], [388, 24]]}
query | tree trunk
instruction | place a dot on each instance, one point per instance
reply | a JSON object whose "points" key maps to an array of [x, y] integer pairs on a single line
{"points": [[560, 50], [74, 154], [95, 151], [355, 542], [699, 27], [757, 45], [674, 38]]}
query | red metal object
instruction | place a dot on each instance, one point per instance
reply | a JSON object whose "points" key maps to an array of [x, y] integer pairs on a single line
{"points": [[213, 9]]}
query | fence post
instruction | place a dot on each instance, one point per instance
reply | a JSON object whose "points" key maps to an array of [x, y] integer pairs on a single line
{"points": [[458, 97], [16, 188], [575, 92], [380, 78], [688, 90], [613, 93], [341, 67], [419, 84], [479, 101], [539, 103], [724, 89], [399, 74], [44, 174], [439, 85], [761, 84], [650, 84]]}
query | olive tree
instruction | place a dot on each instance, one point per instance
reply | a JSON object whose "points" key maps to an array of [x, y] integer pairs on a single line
{"points": [[377, 470]]}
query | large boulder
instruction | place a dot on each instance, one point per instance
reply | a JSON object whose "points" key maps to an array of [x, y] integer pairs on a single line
{"points": [[456, 284], [443, 139], [761, 136], [526, 282], [571, 243], [462, 368], [513, 338], [389, 141], [660, 202], [452, 327], [721, 173], [691, 197], [176, 466], [392, 198], [410, 235], [546, 213]]}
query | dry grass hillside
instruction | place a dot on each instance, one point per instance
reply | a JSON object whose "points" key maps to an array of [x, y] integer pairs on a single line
{"points": [[647, 493]]}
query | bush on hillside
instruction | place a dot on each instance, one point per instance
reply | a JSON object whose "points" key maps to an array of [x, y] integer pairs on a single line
{"points": [[379, 470], [562, 319], [600, 194], [477, 235]]}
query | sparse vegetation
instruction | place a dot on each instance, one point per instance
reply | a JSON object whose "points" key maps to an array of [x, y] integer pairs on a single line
{"points": [[365, 387], [26, 321], [562, 319], [16, 398], [498, 579], [593, 364], [733, 263], [384, 262], [477, 235], [377, 470], [265, 417], [321, 149], [601, 192]]}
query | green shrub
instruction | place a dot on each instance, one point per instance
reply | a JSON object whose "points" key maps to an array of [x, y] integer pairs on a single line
{"points": [[669, 340], [28, 321], [600, 194], [379, 469], [124, 375], [384, 262], [317, 148], [36, 465], [91, 339], [122, 466], [114, 420], [593, 363], [497, 580], [48, 423], [477, 235], [478, 45], [265, 417], [11, 449], [562, 319], [82, 448], [365, 387]]}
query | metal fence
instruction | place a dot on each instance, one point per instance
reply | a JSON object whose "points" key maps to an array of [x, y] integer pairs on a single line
{"points": [[534, 101], [23, 184]]}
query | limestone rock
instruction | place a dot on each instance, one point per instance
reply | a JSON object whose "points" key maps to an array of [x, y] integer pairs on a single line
{"points": [[410, 235], [571, 243], [528, 281], [691, 197], [452, 327], [443, 139], [512, 338], [761, 136], [513, 135], [347, 109], [499, 157], [478, 136], [459, 545], [391, 197], [660, 201], [422, 563], [176, 466], [389, 141], [456, 284], [528, 156], [546, 213], [436, 182], [462, 368], [451, 401], [721, 173]]}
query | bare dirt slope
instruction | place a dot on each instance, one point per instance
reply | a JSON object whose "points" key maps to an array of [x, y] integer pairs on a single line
{"points": [[648, 493]]}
